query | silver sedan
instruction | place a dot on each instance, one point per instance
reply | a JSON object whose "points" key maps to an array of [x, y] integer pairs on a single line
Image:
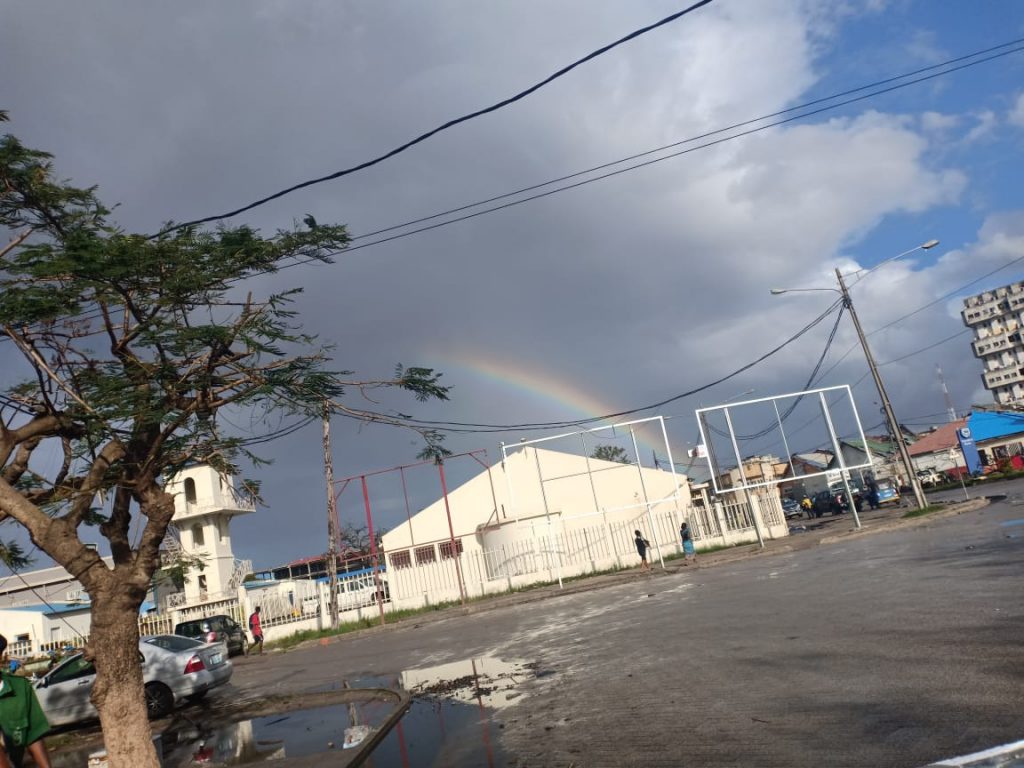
{"points": [[173, 669]]}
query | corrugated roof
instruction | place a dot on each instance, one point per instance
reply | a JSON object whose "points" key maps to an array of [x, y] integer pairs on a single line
{"points": [[875, 446], [942, 439], [989, 425], [815, 458]]}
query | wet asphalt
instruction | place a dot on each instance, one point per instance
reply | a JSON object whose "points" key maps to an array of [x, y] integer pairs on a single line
{"points": [[891, 650]]}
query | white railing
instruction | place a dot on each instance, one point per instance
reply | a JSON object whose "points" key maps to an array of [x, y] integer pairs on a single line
{"points": [[242, 569], [576, 551]]}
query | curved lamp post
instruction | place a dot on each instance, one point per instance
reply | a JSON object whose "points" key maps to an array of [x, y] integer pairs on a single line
{"points": [[890, 416]]}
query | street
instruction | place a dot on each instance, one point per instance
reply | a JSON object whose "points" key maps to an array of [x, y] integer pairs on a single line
{"points": [[890, 650]]}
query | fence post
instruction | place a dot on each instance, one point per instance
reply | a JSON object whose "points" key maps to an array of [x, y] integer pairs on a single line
{"points": [[720, 517], [611, 539]]}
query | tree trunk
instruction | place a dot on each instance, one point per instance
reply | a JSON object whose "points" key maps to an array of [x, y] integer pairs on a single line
{"points": [[118, 692]]}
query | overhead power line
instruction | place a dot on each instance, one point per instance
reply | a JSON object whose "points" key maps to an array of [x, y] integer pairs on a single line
{"points": [[644, 164], [689, 140], [965, 58], [450, 124], [922, 308]]}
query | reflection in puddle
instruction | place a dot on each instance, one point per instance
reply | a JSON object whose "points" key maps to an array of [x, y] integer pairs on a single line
{"points": [[487, 680], [450, 722], [293, 734]]}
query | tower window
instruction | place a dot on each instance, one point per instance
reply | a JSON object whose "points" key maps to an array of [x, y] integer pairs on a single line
{"points": [[190, 490], [197, 536]]}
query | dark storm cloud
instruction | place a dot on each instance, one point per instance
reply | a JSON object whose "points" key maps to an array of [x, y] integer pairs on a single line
{"points": [[633, 289]]}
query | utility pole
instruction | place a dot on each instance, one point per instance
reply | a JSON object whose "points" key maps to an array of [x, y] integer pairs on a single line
{"points": [[332, 517], [890, 417]]}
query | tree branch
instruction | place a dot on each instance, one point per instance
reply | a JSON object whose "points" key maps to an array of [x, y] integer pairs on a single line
{"points": [[38, 361], [93, 481]]}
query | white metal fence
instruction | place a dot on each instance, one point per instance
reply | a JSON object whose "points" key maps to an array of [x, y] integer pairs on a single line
{"points": [[577, 551]]}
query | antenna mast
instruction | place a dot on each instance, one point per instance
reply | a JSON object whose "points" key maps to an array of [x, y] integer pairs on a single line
{"points": [[950, 410]]}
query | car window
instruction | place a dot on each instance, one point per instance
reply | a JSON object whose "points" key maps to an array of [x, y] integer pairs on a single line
{"points": [[173, 642], [74, 668], [188, 628]]}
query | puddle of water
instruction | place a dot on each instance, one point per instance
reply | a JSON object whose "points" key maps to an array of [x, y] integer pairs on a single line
{"points": [[290, 734], [487, 681], [452, 721], [1010, 523], [441, 732]]}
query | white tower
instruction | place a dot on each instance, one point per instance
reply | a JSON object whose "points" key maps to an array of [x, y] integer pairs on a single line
{"points": [[204, 503]]}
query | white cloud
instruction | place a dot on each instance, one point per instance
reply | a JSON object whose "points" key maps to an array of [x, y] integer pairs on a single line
{"points": [[985, 126], [1016, 113], [938, 122]]}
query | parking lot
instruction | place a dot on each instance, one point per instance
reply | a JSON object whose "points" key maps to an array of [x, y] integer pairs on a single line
{"points": [[890, 650]]}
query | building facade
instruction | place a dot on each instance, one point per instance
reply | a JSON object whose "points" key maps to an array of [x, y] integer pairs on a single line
{"points": [[543, 515], [996, 318], [43, 610]]}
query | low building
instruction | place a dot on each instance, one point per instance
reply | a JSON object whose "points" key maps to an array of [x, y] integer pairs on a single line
{"points": [[543, 515], [998, 435]]}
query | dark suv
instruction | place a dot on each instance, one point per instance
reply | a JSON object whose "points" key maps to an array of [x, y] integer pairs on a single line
{"points": [[216, 629]]}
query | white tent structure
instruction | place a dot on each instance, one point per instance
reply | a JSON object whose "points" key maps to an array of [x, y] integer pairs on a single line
{"points": [[542, 515]]}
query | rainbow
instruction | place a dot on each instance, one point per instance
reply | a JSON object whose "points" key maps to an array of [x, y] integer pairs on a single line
{"points": [[562, 398]]}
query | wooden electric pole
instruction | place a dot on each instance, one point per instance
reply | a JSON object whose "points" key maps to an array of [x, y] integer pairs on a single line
{"points": [[332, 517]]}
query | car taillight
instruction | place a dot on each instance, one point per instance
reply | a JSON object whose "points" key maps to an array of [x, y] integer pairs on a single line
{"points": [[195, 664], [211, 637]]}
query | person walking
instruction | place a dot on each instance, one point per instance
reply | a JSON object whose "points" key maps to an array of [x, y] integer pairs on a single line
{"points": [[641, 547], [22, 721], [689, 552], [256, 629]]}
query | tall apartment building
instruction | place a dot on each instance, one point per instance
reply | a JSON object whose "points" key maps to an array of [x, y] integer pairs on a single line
{"points": [[997, 318]]}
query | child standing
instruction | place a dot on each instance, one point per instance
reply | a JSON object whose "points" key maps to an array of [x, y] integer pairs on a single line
{"points": [[641, 547]]}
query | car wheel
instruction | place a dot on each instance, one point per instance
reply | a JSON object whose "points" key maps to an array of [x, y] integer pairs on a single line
{"points": [[245, 646], [159, 700]]}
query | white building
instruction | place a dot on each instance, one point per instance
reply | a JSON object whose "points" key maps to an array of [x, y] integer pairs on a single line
{"points": [[47, 608], [205, 503], [542, 515], [996, 317]]}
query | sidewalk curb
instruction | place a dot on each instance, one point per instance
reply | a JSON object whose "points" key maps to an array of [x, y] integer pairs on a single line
{"points": [[914, 522]]}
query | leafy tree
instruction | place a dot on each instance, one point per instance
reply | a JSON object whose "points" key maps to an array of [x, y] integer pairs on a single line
{"points": [[611, 453], [132, 347]]}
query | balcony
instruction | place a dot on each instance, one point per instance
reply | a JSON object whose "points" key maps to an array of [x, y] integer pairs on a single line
{"points": [[996, 343], [1003, 377], [231, 502], [982, 314]]}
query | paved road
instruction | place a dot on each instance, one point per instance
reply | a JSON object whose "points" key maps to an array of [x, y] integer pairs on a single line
{"points": [[889, 650]]}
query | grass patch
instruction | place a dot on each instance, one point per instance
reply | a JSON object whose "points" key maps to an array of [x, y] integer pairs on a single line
{"points": [[923, 511], [296, 638]]}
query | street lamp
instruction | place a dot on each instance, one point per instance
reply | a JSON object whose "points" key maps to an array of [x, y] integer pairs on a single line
{"points": [[890, 416]]}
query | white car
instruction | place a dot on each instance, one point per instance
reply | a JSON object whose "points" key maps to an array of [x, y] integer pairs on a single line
{"points": [[174, 668]]}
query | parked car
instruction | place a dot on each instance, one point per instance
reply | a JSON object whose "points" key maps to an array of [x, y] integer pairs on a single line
{"points": [[216, 629], [833, 502], [888, 493], [361, 591], [791, 508], [929, 477], [173, 669]]}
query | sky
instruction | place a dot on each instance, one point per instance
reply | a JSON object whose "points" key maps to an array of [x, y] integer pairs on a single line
{"points": [[600, 299]]}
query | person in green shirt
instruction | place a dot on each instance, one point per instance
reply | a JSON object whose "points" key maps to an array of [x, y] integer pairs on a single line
{"points": [[22, 721]]}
